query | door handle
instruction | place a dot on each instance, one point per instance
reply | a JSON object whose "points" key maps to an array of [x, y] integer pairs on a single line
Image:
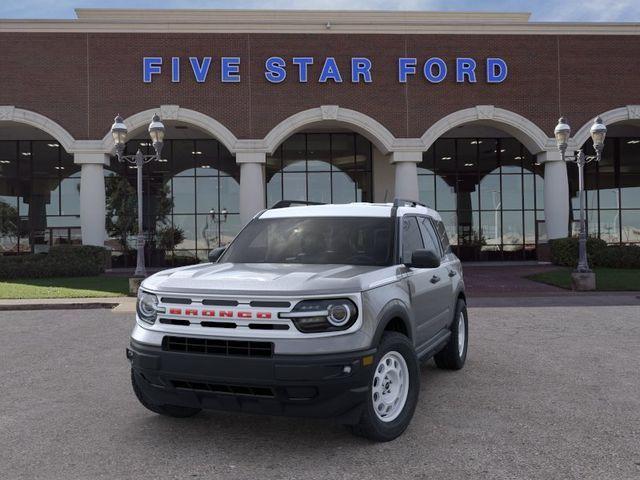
{"points": [[435, 279], [452, 273]]}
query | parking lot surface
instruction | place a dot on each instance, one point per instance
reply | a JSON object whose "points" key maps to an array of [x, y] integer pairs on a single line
{"points": [[550, 392]]}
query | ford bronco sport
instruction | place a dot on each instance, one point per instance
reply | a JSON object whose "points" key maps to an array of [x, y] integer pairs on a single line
{"points": [[321, 310]]}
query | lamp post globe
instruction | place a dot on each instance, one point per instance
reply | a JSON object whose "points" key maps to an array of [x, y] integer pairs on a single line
{"points": [[119, 133], [562, 133], [598, 132], [156, 132]]}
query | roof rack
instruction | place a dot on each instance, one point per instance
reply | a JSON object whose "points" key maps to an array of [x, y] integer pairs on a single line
{"points": [[401, 202], [289, 203]]}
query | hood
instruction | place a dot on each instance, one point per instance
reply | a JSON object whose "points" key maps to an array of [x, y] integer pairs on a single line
{"points": [[267, 279]]}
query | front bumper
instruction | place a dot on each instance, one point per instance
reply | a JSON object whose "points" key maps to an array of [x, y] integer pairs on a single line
{"points": [[334, 385]]}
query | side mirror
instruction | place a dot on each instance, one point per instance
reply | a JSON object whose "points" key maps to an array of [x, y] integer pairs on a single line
{"points": [[422, 258], [216, 253]]}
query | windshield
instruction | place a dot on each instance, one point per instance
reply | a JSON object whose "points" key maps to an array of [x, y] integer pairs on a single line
{"points": [[319, 240]]}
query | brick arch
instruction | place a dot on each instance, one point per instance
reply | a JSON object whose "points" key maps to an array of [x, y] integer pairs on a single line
{"points": [[177, 113], [373, 130], [616, 115], [521, 128], [9, 113]]}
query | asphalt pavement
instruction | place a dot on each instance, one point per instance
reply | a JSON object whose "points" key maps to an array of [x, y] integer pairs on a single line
{"points": [[547, 393]]}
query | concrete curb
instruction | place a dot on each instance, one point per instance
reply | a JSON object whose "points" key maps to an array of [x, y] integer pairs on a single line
{"points": [[57, 306]]}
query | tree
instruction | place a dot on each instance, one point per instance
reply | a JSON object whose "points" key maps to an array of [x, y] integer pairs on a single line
{"points": [[122, 209]]}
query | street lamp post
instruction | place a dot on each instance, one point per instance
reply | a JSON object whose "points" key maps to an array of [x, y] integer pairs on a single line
{"points": [[598, 132], [156, 132]]}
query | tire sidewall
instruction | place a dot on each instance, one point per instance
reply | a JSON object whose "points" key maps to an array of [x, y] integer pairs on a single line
{"points": [[461, 308], [385, 431]]}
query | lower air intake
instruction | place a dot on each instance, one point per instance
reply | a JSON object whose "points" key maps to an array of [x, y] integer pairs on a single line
{"points": [[209, 346]]}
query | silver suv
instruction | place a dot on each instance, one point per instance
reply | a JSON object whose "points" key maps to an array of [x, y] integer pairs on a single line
{"points": [[317, 310]]}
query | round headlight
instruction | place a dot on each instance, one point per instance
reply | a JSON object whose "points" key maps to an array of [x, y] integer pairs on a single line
{"points": [[147, 306], [338, 314]]}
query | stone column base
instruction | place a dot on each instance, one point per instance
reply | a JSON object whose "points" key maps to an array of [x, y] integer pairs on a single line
{"points": [[583, 282], [134, 285]]}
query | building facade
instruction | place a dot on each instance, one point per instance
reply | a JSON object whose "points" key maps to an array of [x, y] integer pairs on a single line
{"points": [[453, 109]]}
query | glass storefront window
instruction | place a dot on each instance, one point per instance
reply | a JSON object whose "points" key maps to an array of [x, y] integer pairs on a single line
{"points": [[194, 189], [39, 196], [612, 188], [493, 209], [320, 167]]}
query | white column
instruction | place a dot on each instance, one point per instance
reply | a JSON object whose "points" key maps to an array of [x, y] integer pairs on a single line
{"points": [[252, 196], [556, 194], [406, 165], [92, 197]]}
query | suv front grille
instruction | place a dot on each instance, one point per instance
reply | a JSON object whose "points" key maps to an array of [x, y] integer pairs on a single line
{"points": [[209, 346]]}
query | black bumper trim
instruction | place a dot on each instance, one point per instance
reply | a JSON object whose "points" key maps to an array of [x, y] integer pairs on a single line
{"points": [[334, 385]]}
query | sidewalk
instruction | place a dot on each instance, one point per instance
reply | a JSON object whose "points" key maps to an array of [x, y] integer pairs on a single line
{"points": [[115, 303]]}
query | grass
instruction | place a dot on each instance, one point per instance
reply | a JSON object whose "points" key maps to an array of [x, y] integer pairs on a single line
{"points": [[71, 287], [607, 279]]}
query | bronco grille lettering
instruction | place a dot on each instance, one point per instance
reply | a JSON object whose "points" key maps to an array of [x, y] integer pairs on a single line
{"points": [[192, 312]]}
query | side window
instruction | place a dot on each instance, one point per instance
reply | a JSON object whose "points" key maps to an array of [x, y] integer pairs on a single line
{"points": [[411, 238], [442, 233], [429, 236]]}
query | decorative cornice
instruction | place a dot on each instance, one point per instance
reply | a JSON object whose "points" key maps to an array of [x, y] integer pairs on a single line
{"points": [[325, 22]]}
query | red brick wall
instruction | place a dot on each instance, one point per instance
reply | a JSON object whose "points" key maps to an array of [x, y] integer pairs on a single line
{"points": [[82, 80]]}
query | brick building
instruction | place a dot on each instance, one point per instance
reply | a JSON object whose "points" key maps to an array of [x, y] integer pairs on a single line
{"points": [[454, 109]]}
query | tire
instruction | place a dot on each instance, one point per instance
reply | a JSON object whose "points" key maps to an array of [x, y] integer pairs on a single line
{"points": [[167, 410], [395, 354], [454, 354]]}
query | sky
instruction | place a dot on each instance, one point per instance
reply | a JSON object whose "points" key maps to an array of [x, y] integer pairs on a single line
{"points": [[542, 10]]}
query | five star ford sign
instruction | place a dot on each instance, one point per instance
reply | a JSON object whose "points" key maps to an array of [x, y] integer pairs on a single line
{"points": [[361, 69]]}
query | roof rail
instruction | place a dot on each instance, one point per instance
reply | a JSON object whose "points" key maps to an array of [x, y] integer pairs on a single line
{"points": [[289, 203], [401, 202]]}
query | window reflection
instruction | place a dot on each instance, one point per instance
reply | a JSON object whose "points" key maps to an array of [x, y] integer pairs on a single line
{"points": [[39, 196], [320, 167], [493, 208], [612, 190], [188, 196]]}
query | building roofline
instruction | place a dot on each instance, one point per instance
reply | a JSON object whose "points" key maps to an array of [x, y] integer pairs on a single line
{"points": [[310, 21]]}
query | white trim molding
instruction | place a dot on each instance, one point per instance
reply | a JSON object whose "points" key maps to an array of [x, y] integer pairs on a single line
{"points": [[521, 128], [373, 130], [180, 114], [621, 114], [10, 113], [312, 22]]}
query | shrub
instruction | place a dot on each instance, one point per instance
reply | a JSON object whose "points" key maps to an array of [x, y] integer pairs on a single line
{"points": [[565, 252], [61, 261], [618, 256]]}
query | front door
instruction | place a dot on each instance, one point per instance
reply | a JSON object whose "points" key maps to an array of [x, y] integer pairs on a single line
{"points": [[429, 287]]}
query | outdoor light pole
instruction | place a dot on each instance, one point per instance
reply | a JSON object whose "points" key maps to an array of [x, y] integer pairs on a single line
{"points": [[598, 132], [156, 132]]}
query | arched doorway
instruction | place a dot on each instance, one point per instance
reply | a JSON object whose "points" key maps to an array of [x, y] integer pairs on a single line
{"points": [[612, 187], [191, 198], [488, 187], [333, 166], [39, 190]]}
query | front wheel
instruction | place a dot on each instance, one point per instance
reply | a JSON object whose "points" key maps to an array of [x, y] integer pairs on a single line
{"points": [[454, 354], [393, 390]]}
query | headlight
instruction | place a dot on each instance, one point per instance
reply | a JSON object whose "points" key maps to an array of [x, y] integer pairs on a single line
{"points": [[147, 306], [312, 316]]}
